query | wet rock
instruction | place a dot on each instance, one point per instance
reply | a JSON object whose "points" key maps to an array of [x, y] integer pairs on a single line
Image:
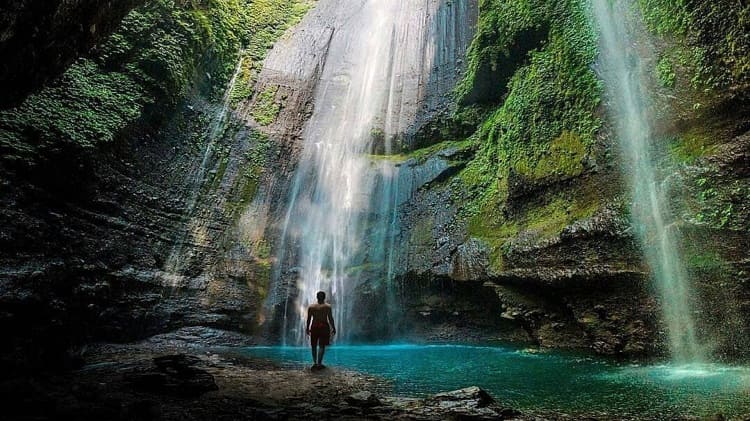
{"points": [[468, 403], [363, 399], [470, 397], [174, 375], [40, 38], [471, 261]]}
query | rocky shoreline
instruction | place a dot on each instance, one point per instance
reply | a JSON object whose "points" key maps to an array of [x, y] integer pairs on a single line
{"points": [[196, 373]]}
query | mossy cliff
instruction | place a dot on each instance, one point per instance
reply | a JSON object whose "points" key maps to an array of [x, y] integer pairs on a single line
{"points": [[139, 72], [705, 132], [125, 177], [137, 185], [39, 39], [541, 209]]}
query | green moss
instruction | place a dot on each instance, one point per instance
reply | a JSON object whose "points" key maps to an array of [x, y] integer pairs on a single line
{"points": [[266, 108], [262, 250], [146, 67], [563, 158], [423, 154], [138, 73], [548, 221], [691, 145], [707, 260], [85, 107], [421, 235], [713, 34], [267, 21], [498, 28], [666, 73], [543, 221], [491, 226], [245, 83], [548, 120], [665, 16], [244, 191]]}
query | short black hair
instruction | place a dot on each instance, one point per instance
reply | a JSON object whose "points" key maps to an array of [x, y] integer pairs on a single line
{"points": [[321, 295]]}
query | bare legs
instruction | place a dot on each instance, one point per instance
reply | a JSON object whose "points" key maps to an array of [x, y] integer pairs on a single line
{"points": [[320, 354]]}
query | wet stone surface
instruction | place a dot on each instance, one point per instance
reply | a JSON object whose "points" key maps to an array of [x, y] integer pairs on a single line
{"points": [[176, 377]]}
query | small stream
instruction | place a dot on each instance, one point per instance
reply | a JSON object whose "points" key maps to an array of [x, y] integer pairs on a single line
{"points": [[542, 382]]}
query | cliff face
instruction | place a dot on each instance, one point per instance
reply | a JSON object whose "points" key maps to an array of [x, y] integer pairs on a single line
{"points": [[538, 216], [40, 39], [123, 182], [307, 77], [145, 188]]}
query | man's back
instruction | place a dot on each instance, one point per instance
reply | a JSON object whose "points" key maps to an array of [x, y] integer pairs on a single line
{"points": [[320, 312]]}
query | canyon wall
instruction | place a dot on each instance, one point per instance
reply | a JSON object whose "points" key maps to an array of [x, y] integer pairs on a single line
{"points": [[143, 188]]}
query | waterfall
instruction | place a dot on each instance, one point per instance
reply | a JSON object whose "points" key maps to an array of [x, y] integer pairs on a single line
{"points": [[625, 79], [175, 262], [377, 76]]}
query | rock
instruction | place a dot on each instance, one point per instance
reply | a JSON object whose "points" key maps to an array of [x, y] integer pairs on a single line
{"points": [[470, 397], [176, 363], [40, 39], [174, 375], [465, 404], [471, 261], [363, 399]]}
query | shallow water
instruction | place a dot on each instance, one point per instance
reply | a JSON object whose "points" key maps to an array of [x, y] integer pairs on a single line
{"points": [[543, 382]]}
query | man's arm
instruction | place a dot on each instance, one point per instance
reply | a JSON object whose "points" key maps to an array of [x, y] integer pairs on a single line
{"points": [[307, 324], [330, 321]]}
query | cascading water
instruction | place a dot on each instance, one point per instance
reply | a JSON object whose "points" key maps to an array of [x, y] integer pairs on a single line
{"points": [[175, 261], [625, 79], [340, 217]]}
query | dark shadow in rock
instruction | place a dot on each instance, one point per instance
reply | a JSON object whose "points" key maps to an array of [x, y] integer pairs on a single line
{"points": [[174, 375]]}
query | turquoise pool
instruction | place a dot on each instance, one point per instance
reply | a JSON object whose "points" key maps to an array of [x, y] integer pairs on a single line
{"points": [[542, 382]]}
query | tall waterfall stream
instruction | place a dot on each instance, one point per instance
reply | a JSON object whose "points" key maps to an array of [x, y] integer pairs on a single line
{"points": [[340, 213], [625, 79]]}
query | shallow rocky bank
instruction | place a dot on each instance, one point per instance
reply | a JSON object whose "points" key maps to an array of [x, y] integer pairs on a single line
{"points": [[200, 373]]}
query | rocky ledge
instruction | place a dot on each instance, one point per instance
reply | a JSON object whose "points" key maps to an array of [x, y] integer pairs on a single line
{"points": [[198, 373]]}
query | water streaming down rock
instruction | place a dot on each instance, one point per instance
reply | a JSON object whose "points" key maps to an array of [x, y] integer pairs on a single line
{"points": [[175, 261], [626, 82], [376, 81]]}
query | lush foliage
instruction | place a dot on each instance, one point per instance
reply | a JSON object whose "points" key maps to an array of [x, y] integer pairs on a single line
{"points": [[547, 122], [715, 35], [147, 65], [266, 108], [268, 20]]}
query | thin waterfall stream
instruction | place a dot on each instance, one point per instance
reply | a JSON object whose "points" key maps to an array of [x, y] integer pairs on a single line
{"points": [[625, 80], [175, 261]]}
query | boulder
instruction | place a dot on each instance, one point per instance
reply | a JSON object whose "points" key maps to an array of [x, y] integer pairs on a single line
{"points": [[469, 397], [363, 399]]}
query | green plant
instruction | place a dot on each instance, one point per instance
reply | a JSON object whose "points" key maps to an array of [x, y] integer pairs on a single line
{"points": [[138, 74], [666, 72], [266, 107]]}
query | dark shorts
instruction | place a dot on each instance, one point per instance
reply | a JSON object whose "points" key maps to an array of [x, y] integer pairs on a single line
{"points": [[320, 335]]}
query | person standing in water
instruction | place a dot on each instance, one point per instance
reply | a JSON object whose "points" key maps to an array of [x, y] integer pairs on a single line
{"points": [[319, 328]]}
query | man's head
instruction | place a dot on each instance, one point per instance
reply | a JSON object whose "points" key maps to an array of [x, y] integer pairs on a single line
{"points": [[321, 296]]}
